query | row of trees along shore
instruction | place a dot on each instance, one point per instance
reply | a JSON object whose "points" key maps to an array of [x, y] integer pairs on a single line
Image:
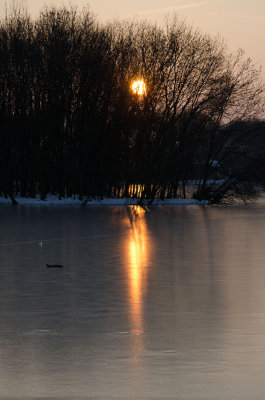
{"points": [[70, 123]]}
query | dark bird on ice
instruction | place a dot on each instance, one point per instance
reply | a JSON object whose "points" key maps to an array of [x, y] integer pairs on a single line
{"points": [[54, 266]]}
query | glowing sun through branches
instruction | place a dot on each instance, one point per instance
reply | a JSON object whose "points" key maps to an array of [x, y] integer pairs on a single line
{"points": [[138, 87]]}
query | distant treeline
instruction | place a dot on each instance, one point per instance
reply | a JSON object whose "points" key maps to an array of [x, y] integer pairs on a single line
{"points": [[70, 124]]}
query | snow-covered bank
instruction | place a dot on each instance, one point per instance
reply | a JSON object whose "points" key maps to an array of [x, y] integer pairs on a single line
{"points": [[52, 200]]}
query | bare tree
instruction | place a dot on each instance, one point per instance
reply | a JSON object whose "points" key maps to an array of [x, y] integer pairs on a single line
{"points": [[70, 123]]}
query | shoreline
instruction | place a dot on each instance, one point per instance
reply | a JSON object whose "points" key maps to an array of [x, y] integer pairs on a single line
{"points": [[53, 200]]}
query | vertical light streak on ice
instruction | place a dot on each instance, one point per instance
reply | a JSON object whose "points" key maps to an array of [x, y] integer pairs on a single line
{"points": [[138, 254]]}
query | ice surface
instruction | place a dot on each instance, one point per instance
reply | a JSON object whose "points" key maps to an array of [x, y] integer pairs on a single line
{"points": [[161, 303]]}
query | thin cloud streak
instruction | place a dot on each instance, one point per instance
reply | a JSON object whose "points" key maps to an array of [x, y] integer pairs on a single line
{"points": [[167, 9]]}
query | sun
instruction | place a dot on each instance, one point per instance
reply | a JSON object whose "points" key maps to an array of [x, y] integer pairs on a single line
{"points": [[138, 87]]}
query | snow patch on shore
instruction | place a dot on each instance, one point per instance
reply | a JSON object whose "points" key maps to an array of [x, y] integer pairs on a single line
{"points": [[53, 200]]}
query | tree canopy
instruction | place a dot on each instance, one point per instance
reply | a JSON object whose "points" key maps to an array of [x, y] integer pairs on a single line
{"points": [[70, 123]]}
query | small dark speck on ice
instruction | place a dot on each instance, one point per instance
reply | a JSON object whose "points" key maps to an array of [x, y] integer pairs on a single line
{"points": [[54, 266]]}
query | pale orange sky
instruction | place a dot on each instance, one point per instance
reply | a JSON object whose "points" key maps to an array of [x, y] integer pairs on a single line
{"points": [[240, 22]]}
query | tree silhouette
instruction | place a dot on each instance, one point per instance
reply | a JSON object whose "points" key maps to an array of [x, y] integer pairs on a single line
{"points": [[70, 123]]}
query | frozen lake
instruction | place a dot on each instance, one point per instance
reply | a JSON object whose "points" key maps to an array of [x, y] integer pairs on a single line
{"points": [[166, 303]]}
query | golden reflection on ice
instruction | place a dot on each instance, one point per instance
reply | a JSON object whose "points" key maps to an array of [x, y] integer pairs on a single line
{"points": [[138, 254]]}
